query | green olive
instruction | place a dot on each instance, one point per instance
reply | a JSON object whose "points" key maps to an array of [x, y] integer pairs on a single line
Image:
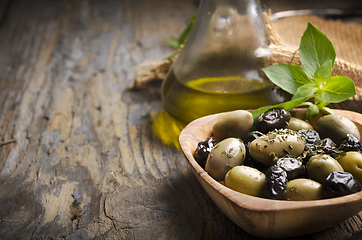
{"points": [[321, 165], [336, 127], [352, 163], [233, 124], [226, 154], [303, 189], [297, 124], [276, 143], [246, 180]]}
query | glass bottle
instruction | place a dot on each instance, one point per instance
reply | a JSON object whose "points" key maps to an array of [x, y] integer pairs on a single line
{"points": [[219, 67]]}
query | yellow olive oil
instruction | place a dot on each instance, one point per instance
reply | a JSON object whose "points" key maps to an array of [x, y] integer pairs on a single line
{"points": [[201, 97], [167, 128]]}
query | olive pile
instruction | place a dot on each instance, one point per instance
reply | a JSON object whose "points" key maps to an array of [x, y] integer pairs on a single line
{"points": [[282, 157]]}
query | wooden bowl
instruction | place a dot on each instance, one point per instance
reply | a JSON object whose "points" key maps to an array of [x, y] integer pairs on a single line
{"points": [[264, 217]]}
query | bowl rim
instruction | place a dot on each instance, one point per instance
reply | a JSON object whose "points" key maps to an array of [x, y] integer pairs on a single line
{"points": [[257, 203]]}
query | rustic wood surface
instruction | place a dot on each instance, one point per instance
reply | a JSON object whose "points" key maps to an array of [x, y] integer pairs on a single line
{"points": [[79, 159]]}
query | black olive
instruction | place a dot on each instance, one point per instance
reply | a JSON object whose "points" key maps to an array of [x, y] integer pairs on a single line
{"points": [[324, 146], [328, 146], [251, 162], [203, 149], [272, 119], [311, 136], [338, 184], [350, 143], [275, 183], [251, 136], [292, 166], [313, 143]]}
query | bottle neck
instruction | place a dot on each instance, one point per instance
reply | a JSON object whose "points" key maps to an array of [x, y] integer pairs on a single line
{"points": [[224, 30]]}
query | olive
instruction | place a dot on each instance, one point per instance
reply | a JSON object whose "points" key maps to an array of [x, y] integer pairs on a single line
{"points": [[302, 189], [339, 184], [336, 127], [203, 149], [352, 163], [293, 167], [226, 154], [251, 162], [324, 146], [311, 136], [233, 124], [246, 180], [275, 183], [328, 146], [350, 143], [298, 124], [312, 143], [320, 166], [277, 143], [272, 119]]}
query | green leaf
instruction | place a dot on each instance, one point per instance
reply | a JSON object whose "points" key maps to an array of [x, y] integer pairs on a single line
{"points": [[300, 75], [315, 49], [323, 73], [185, 33], [337, 89], [326, 110], [173, 43], [305, 91], [282, 76], [183, 36], [311, 112]]}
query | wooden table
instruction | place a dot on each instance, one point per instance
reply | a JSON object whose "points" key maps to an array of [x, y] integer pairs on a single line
{"points": [[85, 163]]}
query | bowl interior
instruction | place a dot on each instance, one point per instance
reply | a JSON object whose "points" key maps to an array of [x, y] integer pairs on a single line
{"points": [[264, 217]]}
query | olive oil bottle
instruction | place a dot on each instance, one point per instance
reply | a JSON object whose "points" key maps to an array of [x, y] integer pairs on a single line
{"points": [[219, 66], [201, 97]]}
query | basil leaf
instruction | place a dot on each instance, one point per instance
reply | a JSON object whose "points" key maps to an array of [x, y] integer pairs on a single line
{"points": [[182, 38], [300, 75], [305, 91], [315, 49], [173, 43], [337, 89], [323, 73], [312, 111], [326, 110], [185, 33], [282, 76]]}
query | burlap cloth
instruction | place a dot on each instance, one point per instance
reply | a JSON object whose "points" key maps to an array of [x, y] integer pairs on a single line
{"points": [[285, 35]]}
